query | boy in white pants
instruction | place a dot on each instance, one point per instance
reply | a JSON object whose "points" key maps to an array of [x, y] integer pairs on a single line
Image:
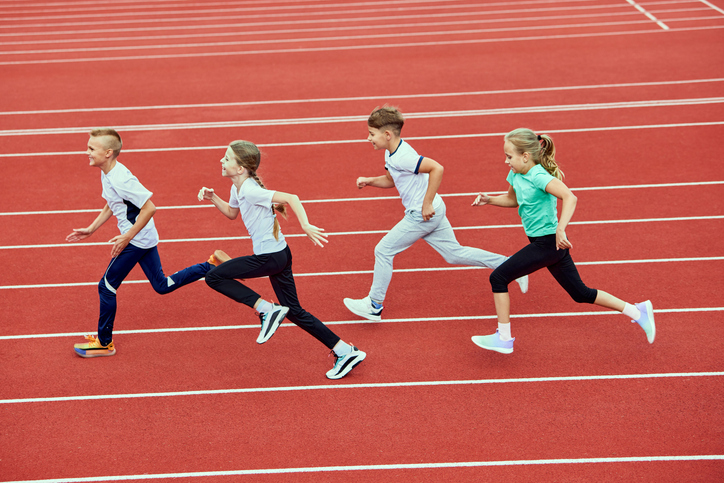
{"points": [[417, 179]]}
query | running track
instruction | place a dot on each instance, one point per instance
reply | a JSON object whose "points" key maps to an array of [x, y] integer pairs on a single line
{"points": [[632, 93]]}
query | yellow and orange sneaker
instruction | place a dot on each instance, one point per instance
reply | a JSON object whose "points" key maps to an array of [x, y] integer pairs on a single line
{"points": [[94, 348], [219, 257]]}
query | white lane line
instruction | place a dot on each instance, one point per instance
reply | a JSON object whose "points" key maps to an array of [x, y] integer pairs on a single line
{"points": [[367, 232], [381, 385], [366, 98], [360, 141], [459, 318], [346, 48], [649, 15], [386, 467], [363, 118], [379, 198], [711, 5]]}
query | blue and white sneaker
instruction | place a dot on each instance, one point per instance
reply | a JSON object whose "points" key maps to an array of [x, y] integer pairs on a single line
{"points": [[646, 321], [493, 342], [364, 308], [344, 364], [270, 322]]}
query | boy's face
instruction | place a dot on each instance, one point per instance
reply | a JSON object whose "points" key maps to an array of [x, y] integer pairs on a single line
{"points": [[97, 152], [379, 139]]}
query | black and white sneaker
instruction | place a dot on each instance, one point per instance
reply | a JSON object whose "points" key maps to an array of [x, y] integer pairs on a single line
{"points": [[344, 364], [270, 322]]}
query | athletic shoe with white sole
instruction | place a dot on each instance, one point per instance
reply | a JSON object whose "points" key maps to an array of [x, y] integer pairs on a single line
{"points": [[344, 364], [646, 321], [493, 342], [523, 282], [94, 348], [364, 308], [270, 322]]}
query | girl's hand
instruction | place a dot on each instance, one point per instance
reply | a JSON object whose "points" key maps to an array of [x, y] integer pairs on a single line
{"points": [[361, 182], [481, 199], [78, 234], [562, 240], [206, 193], [315, 234]]}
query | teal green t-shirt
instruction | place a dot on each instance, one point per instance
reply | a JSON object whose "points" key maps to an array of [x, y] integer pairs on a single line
{"points": [[536, 207]]}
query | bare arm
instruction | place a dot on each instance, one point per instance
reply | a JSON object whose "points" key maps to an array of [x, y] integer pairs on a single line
{"points": [[384, 181], [314, 233], [208, 194], [558, 189], [435, 170], [82, 233], [507, 200]]}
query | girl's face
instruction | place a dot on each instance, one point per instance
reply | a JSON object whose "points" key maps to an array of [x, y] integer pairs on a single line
{"points": [[229, 167], [519, 163]]}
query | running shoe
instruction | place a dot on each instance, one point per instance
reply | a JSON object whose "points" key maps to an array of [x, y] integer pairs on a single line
{"points": [[646, 321], [270, 322], [344, 364], [364, 308], [94, 348], [523, 282], [493, 342]]}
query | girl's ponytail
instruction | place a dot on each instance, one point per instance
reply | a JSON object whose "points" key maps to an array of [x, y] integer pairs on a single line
{"points": [[540, 147]]}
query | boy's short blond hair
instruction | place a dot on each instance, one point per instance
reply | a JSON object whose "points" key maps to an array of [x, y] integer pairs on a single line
{"points": [[114, 141], [387, 117]]}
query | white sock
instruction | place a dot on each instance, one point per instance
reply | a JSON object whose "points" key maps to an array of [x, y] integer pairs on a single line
{"points": [[342, 348], [263, 307], [631, 311], [504, 330]]}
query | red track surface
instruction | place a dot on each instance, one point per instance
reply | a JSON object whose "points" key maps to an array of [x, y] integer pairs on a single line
{"points": [[583, 398]]}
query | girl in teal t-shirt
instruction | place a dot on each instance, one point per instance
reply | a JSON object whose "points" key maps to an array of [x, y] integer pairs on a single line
{"points": [[535, 187]]}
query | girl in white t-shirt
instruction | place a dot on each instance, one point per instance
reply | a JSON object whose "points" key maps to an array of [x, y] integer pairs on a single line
{"points": [[535, 187], [272, 257]]}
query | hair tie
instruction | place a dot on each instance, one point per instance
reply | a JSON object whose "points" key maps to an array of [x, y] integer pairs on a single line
{"points": [[539, 137]]}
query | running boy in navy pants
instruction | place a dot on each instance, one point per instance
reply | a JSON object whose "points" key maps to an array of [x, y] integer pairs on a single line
{"points": [[130, 202]]}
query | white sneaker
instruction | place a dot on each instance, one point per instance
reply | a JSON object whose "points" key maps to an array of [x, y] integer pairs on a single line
{"points": [[270, 322], [363, 308], [646, 321], [523, 282], [344, 364]]}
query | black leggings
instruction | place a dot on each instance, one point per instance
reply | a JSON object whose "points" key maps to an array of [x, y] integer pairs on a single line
{"points": [[278, 267], [542, 253]]}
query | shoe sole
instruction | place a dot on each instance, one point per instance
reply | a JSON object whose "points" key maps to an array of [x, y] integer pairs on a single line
{"points": [[502, 350], [348, 368], [650, 310], [366, 315], [87, 355], [273, 326]]}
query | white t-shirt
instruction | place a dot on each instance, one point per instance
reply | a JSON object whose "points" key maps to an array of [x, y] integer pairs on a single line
{"points": [[125, 196], [404, 165], [255, 208]]}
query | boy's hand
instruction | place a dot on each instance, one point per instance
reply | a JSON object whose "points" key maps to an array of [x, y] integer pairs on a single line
{"points": [[206, 193], [427, 211], [481, 199], [78, 234], [119, 243], [361, 182]]}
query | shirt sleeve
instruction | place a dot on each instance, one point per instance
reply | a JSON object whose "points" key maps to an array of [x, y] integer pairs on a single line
{"points": [[541, 179], [233, 202], [129, 188], [257, 195]]}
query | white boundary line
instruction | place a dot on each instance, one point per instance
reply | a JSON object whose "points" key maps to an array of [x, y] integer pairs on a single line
{"points": [[708, 4], [386, 467], [379, 385], [401, 270], [460, 318], [363, 118], [345, 48], [379, 198], [360, 141], [367, 232], [649, 15], [366, 98]]}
